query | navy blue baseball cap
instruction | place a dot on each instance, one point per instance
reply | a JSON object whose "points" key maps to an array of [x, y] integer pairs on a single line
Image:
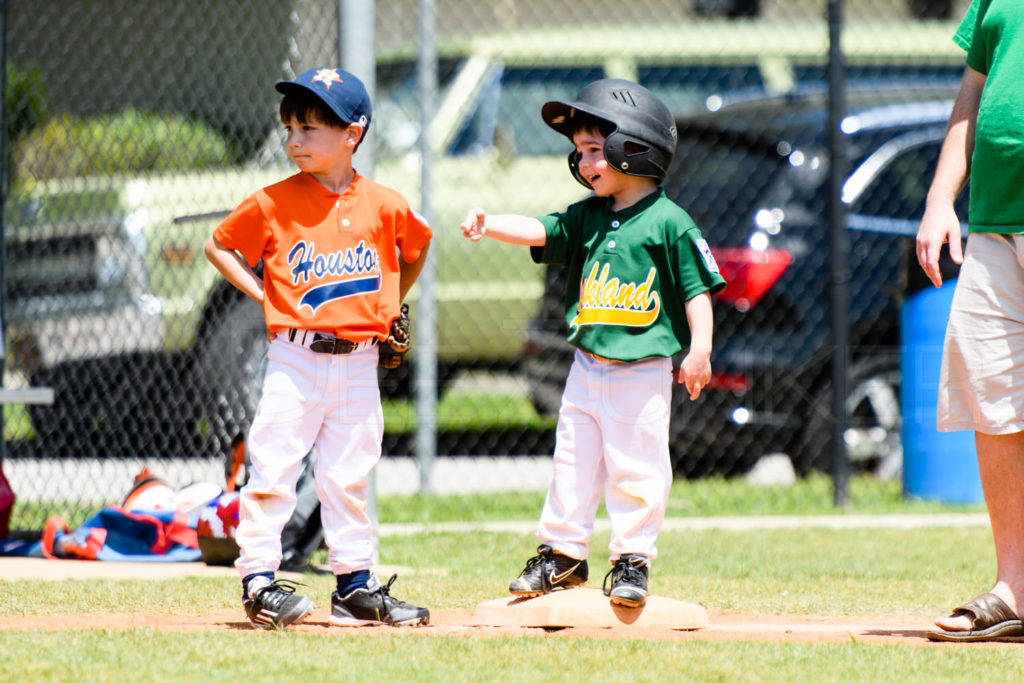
{"points": [[341, 91]]}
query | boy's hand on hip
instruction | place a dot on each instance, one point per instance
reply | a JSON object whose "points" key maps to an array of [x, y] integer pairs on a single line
{"points": [[474, 226]]}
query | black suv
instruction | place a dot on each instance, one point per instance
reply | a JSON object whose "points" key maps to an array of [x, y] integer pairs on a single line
{"points": [[752, 172]]}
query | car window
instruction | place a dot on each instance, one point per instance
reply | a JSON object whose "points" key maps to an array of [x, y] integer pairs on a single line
{"points": [[900, 189], [922, 74], [507, 113], [719, 178], [684, 87], [396, 104]]}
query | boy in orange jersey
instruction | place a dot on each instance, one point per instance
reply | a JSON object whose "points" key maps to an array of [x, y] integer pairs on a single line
{"points": [[339, 253]]}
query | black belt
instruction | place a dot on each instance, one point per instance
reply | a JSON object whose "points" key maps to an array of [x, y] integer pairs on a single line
{"points": [[325, 343]]}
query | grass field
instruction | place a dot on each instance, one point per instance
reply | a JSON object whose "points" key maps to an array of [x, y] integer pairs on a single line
{"points": [[464, 411], [811, 571], [689, 498], [250, 656]]}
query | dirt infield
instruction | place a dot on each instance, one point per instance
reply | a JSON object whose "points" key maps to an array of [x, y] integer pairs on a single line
{"points": [[882, 630], [906, 630]]}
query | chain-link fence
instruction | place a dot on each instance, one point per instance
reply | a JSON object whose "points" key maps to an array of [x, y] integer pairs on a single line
{"points": [[131, 127]]}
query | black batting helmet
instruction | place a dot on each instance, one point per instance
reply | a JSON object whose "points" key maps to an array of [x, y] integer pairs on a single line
{"points": [[643, 139]]}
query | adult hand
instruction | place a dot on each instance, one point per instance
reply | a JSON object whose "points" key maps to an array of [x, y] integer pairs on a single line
{"points": [[939, 225]]}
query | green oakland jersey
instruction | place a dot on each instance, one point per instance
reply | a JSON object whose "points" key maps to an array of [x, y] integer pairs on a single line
{"points": [[629, 274]]}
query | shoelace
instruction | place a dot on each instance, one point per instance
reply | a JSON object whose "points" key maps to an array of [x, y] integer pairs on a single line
{"points": [[537, 559], [385, 595], [628, 571], [277, 592]]}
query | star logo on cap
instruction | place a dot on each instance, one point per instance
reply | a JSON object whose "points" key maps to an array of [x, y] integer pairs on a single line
{"points": [[327, 76]]}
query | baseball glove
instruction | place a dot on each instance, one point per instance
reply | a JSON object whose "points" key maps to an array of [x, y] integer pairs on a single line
{"points": [[393, 350]]}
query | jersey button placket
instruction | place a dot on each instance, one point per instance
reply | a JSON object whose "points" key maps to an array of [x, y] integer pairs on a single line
{"points": [[343, 223], [614, 226]]}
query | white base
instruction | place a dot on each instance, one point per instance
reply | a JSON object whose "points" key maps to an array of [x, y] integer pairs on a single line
{"points": [[589, 607]]}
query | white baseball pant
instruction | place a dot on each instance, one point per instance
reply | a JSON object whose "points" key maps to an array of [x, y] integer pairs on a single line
{"points": [[332, 402], [612, 437]]}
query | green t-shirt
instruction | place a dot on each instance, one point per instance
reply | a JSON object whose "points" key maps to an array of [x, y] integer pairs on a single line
{"points": [[992, 32], [629, 274]]}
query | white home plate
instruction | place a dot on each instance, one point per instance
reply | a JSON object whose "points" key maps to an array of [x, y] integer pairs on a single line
{"points": [[589, 607]]}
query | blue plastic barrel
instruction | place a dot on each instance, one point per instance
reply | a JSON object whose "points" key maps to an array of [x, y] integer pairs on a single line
{"points": [[936, 465]]}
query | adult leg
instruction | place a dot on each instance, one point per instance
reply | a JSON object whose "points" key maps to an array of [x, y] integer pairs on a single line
{"points": [[1001, 465], [980, 390]]}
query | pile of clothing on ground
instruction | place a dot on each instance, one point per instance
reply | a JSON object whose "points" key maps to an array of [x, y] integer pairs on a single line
{"points": [[154, 523], [157, 523]]}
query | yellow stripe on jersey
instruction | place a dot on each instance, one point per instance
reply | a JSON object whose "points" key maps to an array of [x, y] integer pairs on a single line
{"points": [[605, 301]]}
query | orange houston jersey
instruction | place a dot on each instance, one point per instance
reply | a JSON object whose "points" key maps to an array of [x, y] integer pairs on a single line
{"points": [[329, 260]]}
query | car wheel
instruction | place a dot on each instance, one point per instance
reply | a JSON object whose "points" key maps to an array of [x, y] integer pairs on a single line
{"points": [[693, 455], [872, 437], [546, 367], [230, 365], [400, 383], [545, 376]]}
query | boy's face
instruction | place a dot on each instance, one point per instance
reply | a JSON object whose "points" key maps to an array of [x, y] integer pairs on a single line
{"points": [[593, 166], [318, 148]]}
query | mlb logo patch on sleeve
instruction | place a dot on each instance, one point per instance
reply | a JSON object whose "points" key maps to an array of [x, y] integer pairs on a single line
{"points": [[709, 259]]}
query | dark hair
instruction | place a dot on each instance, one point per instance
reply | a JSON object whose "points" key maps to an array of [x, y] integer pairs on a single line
{"points": [[303, 106], [583, 121]]}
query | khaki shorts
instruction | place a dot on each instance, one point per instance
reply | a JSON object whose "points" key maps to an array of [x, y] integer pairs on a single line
{"points": [[981, 387]]}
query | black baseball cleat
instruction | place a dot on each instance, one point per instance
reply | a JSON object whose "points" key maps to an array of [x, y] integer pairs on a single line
{"points": [[548, 570], [629, 581], [276, 605], [374, 605]]}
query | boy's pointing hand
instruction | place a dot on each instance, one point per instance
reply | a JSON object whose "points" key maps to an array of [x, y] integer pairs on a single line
{"points": [[474, 225]]}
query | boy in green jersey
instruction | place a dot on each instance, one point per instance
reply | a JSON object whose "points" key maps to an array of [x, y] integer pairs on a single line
{"points": [[640, 279]]}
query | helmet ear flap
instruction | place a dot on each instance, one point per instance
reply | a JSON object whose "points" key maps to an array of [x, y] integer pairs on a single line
{"points": [[574, 166], [634, 156]]}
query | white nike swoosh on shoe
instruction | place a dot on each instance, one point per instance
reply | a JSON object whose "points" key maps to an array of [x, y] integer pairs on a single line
{"points": [[555, 578]]}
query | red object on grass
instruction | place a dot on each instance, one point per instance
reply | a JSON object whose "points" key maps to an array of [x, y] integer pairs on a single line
{"points": [[6, 505]]}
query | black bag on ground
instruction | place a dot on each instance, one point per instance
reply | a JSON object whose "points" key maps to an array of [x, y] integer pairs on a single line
{"points": [[302, 535]]}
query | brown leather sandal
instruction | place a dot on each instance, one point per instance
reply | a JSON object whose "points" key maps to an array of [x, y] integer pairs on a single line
{"points": [[991, 619]]}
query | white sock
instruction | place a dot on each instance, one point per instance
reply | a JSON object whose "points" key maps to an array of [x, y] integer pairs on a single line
{"points": [[255, 583]]}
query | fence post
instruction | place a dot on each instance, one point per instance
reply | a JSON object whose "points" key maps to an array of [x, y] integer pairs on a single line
{"points": [[426, 316], [356, 52], [838, 252]]}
